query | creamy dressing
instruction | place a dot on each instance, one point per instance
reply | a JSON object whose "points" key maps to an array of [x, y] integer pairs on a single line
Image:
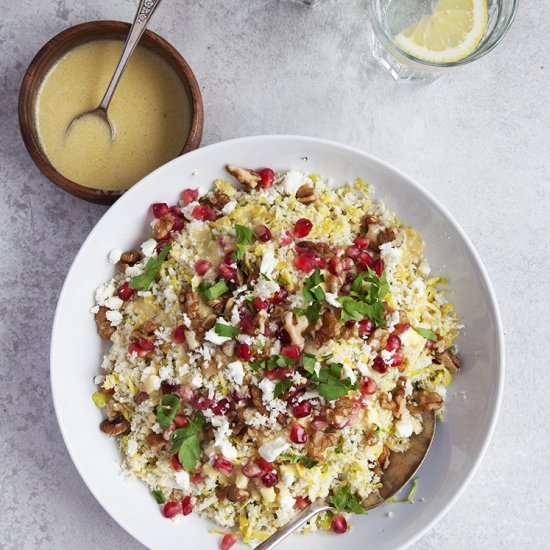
{"points": [[150, 112]]}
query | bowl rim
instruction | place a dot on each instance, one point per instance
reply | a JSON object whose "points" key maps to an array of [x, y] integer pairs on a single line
{"points": [[304, 140], [88, 30]]}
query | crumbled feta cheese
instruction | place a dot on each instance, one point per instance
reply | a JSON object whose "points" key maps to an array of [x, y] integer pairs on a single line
{"points": [[104, 292], [229, 208], [94, 310], [221, 440], [404, 427], [387, 355], [265, 289], [269, 262], [235, 316], [390, 255], [286, 500], [186, 320], [134, 270], [151, 383], [182, 480], [331, 299], [114, 256], [235, 372], [132, 447], [196, 381], [187, 211], [114, 317], [268, 387], [270, 450], [149, 247], [114, 302], [292, 181], [349, 373]]}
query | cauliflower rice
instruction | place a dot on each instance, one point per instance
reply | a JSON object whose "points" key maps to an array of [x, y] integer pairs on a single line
{"points": [[272, 343]]}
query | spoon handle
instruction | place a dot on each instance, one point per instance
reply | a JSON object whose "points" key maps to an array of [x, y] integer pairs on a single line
{"points": [[144, 13], [295, 523]]}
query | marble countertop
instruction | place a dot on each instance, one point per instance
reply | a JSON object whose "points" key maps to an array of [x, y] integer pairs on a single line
{"points": [[478, 139]]}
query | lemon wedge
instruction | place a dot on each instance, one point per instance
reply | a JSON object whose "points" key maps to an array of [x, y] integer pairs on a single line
{"points": [[450, 33]]}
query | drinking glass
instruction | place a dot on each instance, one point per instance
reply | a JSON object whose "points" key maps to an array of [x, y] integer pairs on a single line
{"points": [[389, 17]]}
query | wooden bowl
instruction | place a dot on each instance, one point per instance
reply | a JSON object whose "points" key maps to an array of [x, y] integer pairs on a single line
{"points": [[58, 46]]}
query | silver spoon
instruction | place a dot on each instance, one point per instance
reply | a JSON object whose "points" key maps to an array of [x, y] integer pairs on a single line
{"points": [[143, 15], [400, 471]]}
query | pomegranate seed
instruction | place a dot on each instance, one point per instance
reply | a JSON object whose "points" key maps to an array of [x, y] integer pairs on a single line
{"points": [[146, 345], [365, 327], [283, 337], [258, 304], [267, 177], [199, 212], [301, 502], [335, 266], [188, 196], [292, 352], [303, 263], [319, 262], [353, 252], [178, 222], [178, 334], [237, 398], [202, 403], [298, 434], [180, 420], [169, 388], [361, 242], [222, 407], [197, 478], [228, 541], [251, 469], [397, 359], [379, 365], [135, 348], [394, 343], [402, 327], [368, 386], [286, 239], [278, 373], [269, 479], [378, 266], [347, 264], [264, 465], [319, 423], [244, 352], [186, 506], [225, 242], [351, 323], [160, 209], [124, 292], [210, 214], [430, 344], [279, 296], [227, 272], [176, 464], [228, 258], [186, 393], [171, 509], [339, 524], [365, 258], [301, 410], [223, 465], [263, 233], [302, 228], [202, 267]]}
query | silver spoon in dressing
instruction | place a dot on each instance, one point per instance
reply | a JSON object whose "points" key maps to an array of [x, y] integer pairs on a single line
{"points": [[144, 13], [400, 471]]}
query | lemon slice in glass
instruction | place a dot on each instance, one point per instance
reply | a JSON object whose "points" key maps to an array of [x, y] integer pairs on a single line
{"points": [[450, 33]]}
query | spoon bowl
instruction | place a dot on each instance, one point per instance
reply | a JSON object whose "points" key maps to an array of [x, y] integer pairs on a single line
{"points": [[100, 114], [401, 469]]}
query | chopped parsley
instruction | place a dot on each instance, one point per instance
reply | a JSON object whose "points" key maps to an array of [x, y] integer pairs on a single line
{"points": [[343, 501], [152, 268], [305, 460], [309, 363], [281, 387], [159, 497], [330, 385], [226, 330], [409, 497], [244, 236], [271, 363], [213, 292], [427, 333], [186, 441], [167, 410], [312, 291], [366, 301]]}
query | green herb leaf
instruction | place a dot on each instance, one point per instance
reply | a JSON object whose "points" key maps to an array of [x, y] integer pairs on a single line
{"points": [[409, 497], [305, 460], [281, 387], [311, 290], [309, 363], [226, 330], [167, 410], [244, 236], [152, 268], [427, 333], [312, 312], [338, 449], [186, 441], [159, 497], [344, 501], [330, 386], [215, 291]]}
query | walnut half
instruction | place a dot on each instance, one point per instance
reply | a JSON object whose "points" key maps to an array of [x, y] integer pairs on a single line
{"points": [[425, 401], [249, 178]]}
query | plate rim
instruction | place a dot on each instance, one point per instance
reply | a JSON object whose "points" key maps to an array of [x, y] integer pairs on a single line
{"points": [[491, 296]]}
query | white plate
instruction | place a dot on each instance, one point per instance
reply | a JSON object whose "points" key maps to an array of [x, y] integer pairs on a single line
{"points": [[473, 398]]}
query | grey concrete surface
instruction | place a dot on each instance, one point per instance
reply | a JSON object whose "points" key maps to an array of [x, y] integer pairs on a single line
{"points": [[479, 139]]}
